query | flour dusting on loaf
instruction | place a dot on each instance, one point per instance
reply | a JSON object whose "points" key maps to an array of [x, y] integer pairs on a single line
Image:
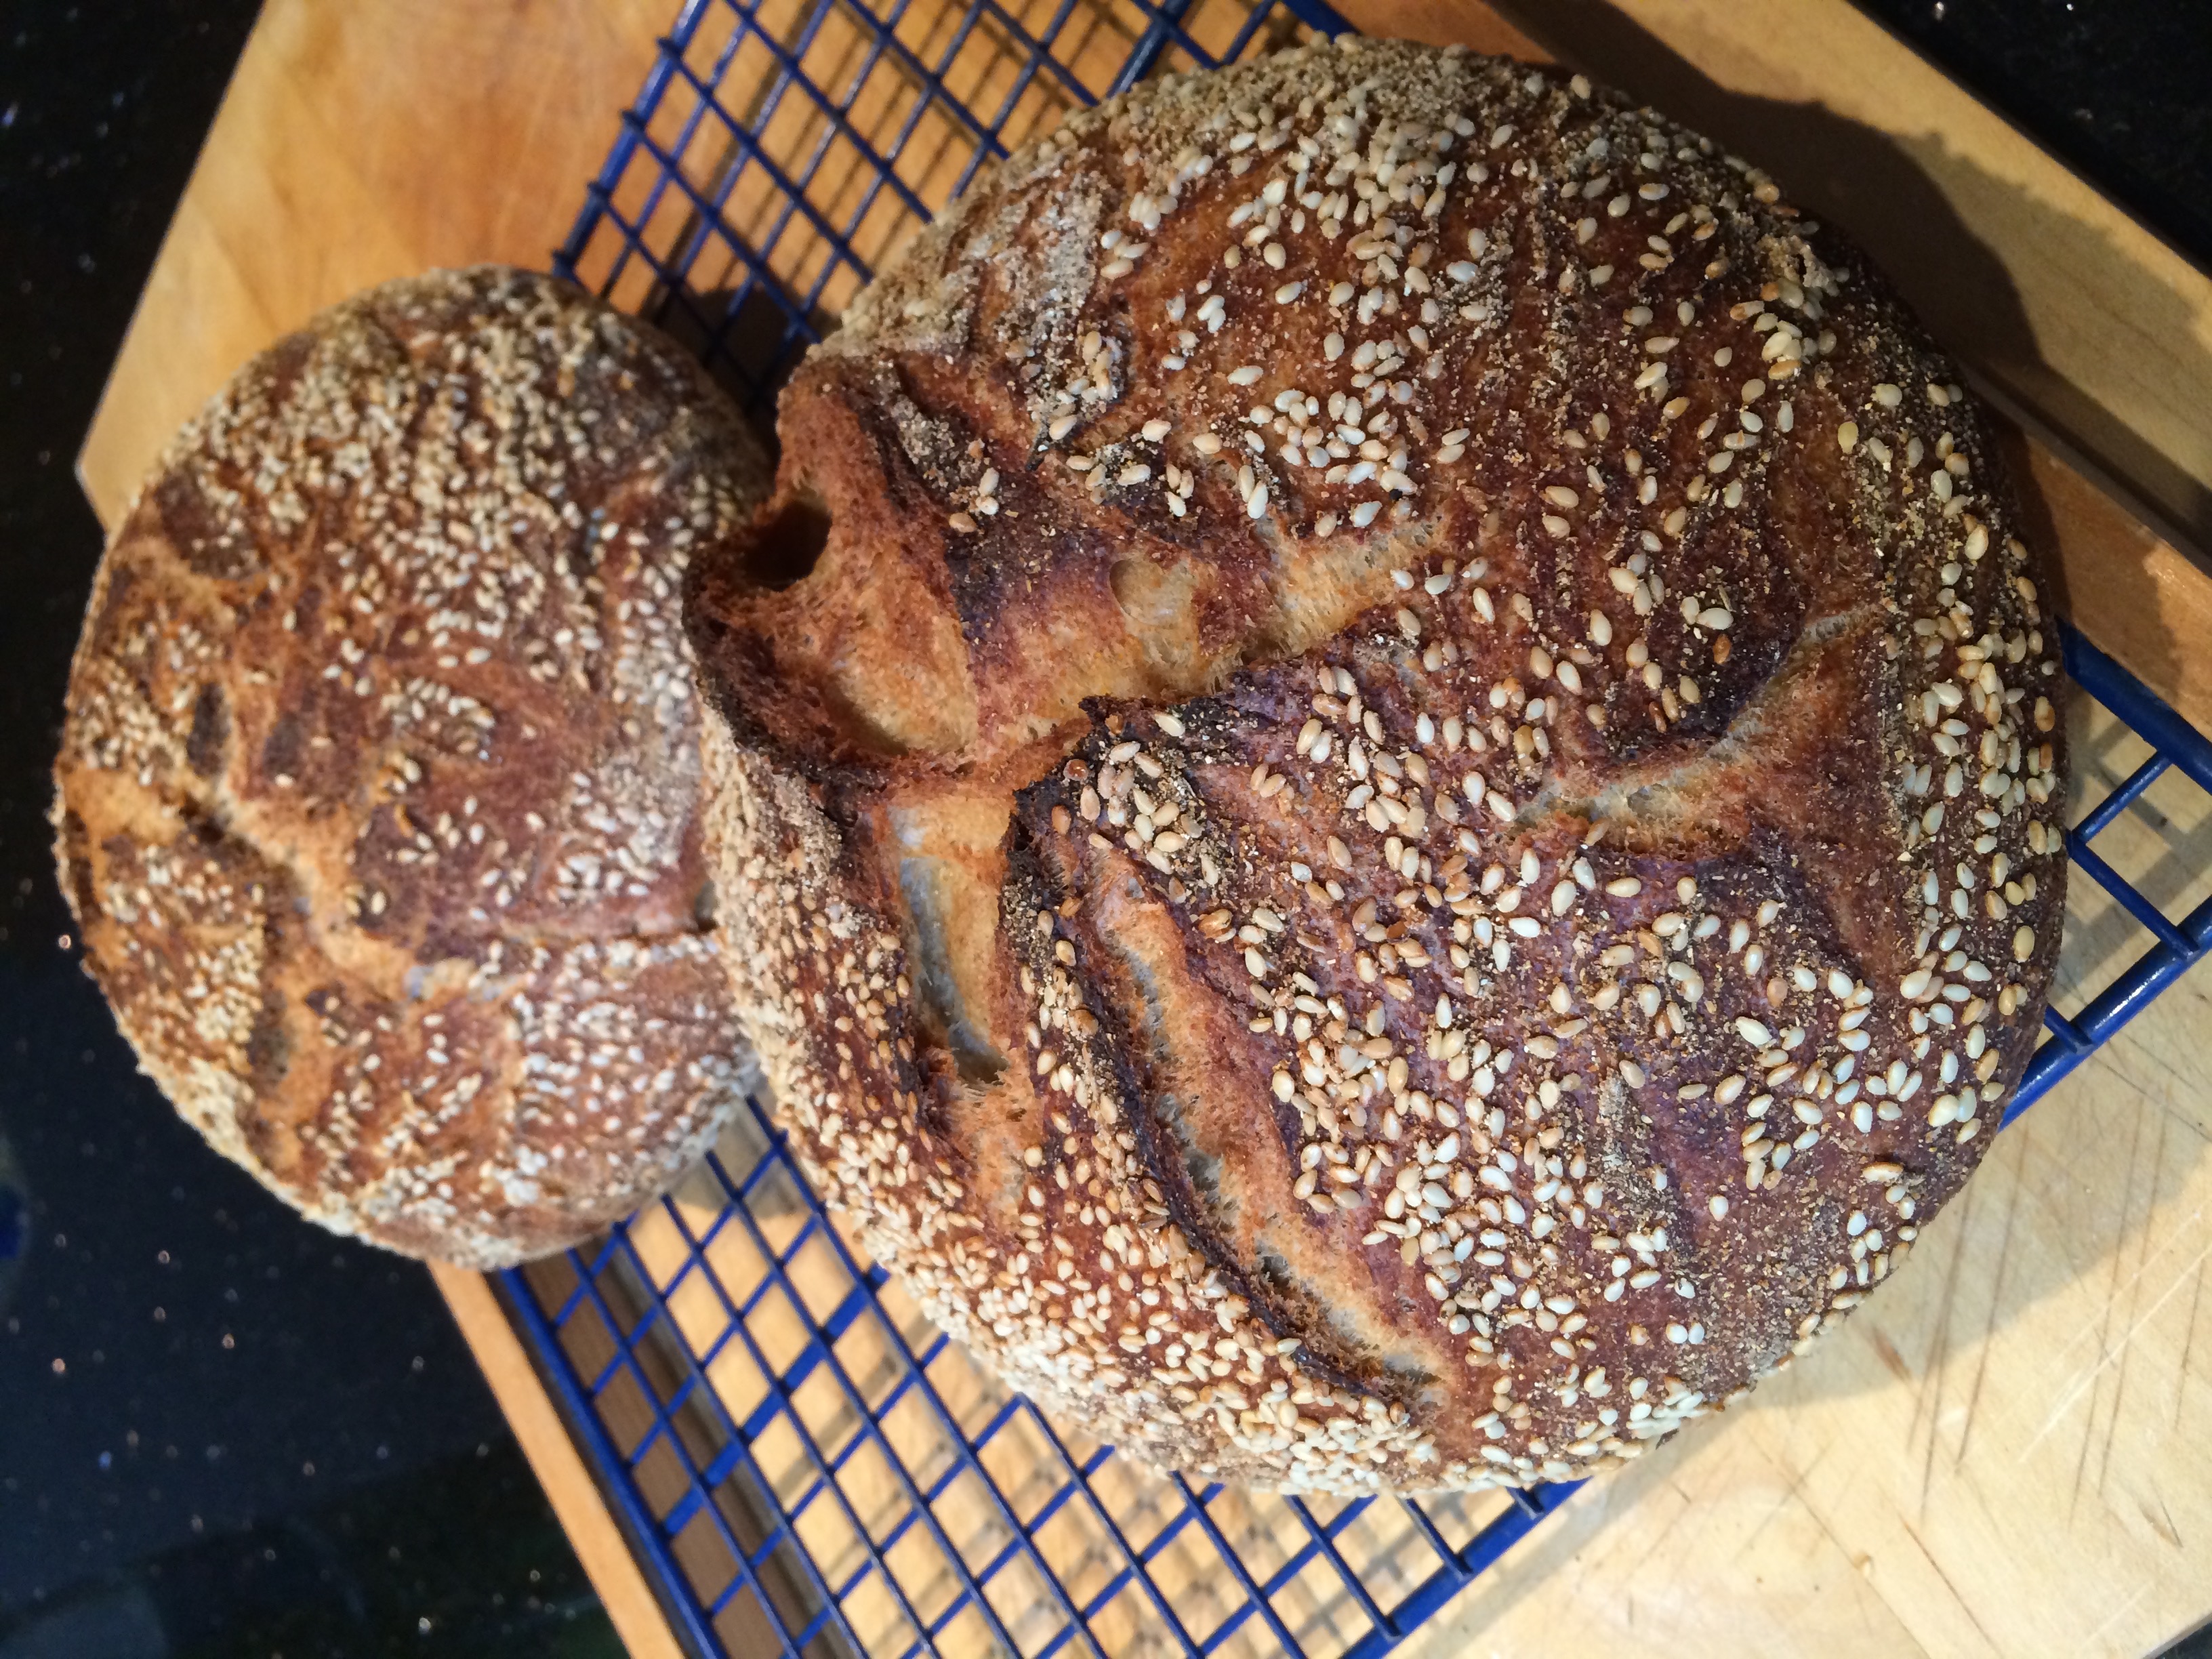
{"points": [[1393, 770], [378, 790]]}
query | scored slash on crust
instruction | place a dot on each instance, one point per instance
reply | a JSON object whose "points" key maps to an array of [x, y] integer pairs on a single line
{"points": [[378, 787]]}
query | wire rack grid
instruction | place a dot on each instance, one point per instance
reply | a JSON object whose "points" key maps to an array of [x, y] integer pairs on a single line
{"points": [[803, 1464]]}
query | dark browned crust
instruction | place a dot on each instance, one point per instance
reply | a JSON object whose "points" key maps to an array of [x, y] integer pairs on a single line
{"points": [[379, 788], [1081, 963]]}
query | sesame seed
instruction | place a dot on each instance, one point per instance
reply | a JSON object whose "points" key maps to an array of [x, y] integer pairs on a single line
{"points": [[1353, 178]]}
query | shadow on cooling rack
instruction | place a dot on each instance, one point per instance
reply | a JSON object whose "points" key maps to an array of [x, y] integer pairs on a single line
{"points": [[727, 1316]]}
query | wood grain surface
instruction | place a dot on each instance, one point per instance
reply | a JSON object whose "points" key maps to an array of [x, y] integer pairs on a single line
{"points": [[360, 142], [1999, 1454], [599, 1542]]}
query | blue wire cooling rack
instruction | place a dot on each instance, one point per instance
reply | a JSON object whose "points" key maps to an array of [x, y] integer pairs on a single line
{"points": [[804, 1466]]}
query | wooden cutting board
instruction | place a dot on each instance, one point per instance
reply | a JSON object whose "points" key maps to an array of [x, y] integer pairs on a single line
{"points": [[2002, 1453]]}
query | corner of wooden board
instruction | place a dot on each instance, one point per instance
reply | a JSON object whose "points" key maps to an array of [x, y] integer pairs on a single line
{"points": [[354, 144]]}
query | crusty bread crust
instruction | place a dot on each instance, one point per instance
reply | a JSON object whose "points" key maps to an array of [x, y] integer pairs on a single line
{"points": [[378, 789], [1393, 773]]}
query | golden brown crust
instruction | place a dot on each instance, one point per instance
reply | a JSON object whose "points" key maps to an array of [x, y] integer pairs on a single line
{"points": [[378, 795], [1396, 775]]}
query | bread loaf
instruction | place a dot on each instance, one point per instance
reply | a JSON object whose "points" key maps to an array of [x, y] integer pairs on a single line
{"points": [[378, 790], [1392, 771]]}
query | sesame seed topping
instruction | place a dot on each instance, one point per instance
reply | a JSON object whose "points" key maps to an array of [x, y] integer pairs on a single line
{"points": [[1412, 822]]}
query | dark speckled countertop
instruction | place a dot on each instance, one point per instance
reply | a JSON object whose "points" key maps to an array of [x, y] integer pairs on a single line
{"points": [[2121, 89], [223, 1432]]}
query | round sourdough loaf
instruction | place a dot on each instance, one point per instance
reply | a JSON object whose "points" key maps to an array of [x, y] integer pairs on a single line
{"points": [[380, 784], [1392, 771]]}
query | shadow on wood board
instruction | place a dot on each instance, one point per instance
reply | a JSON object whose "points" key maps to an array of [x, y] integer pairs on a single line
{"points": [[1882, 191]]}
